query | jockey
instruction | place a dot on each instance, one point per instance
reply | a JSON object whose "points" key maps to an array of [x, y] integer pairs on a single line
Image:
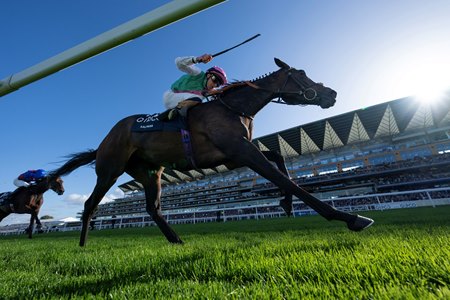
{"points": [[30, 177], [189, 89]]}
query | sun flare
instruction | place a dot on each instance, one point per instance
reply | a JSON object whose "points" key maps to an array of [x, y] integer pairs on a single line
{"points": [[421, 71], [427, 80], [431, 89]]}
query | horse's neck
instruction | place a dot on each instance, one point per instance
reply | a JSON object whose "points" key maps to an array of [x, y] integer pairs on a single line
{"points": [[40, 188], [250, 99]]}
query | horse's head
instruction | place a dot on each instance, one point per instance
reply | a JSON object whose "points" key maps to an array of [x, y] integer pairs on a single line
{"points": [[56, 185], [300, 89]]}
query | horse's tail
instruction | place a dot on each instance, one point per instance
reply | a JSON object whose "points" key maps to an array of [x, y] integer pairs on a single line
{"points": [[76, 160]]}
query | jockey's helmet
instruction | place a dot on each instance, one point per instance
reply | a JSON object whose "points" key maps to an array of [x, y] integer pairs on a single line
{"points": [[219, 73]]}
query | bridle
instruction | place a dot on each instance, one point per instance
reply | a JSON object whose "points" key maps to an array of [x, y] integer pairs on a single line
{"points": [[279, 93], [302, 92], [55, 184]]}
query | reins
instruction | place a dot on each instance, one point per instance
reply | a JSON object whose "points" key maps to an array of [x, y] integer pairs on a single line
{"points": [[274, 93], [218, 92], [242, 114]]}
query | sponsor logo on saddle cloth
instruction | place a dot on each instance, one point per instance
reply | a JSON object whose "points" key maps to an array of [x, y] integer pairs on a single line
{"points": [[146, 123]]}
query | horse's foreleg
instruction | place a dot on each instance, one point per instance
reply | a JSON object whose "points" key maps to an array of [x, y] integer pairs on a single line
{"points": [[247, 154], [153, 198], [285, 203], [31, 226]]}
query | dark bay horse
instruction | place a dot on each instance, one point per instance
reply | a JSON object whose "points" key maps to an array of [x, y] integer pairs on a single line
{"points": [[28, 200], [221, 133]]}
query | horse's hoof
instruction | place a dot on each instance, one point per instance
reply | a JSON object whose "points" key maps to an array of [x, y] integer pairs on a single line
{"points": [[359, 223], [177, 241]]}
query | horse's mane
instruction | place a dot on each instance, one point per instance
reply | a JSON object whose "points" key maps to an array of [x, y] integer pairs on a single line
{"points": [[236, 84], [225, 88]]}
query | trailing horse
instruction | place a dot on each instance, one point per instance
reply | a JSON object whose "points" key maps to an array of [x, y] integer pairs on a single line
{"points": [[220, 133], [28, 200]]}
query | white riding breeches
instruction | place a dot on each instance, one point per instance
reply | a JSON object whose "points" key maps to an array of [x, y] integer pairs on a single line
{"points": [[171, 99], [17, 182]]}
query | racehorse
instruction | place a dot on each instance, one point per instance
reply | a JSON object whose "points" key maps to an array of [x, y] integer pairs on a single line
{"points": [[28, 200], [220, 133]]}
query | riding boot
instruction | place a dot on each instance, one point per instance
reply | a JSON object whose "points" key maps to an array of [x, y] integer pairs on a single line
{"points": [[164, 116], [185, 105], [181, 109], [168, 115]]}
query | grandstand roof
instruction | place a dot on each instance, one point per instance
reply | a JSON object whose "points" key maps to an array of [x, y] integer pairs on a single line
{"points": [[393, 118]]}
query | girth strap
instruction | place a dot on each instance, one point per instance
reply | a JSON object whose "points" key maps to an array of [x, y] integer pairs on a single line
{"points": [[187, 146]]}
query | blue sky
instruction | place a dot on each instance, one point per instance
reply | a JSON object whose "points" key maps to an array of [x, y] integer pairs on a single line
{"points": [[368, 51]]}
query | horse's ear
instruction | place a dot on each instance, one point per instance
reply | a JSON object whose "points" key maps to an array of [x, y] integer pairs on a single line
{"points": [[281, 63]]}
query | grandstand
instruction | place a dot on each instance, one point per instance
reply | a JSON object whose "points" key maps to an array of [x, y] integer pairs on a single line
{"points": [[391, 155]]}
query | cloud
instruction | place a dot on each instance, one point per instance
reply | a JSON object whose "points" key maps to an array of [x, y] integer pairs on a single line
{"points": [[114, 195], [78, 199], [75, 199]]}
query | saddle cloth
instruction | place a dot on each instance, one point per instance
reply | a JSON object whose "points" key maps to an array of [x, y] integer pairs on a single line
{"points": [[5, 203], [147, 123], [4, 197]]}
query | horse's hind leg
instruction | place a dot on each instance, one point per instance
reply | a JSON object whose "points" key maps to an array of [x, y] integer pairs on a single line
{"points": [[38, 225], [100, 189], [285, 203]]}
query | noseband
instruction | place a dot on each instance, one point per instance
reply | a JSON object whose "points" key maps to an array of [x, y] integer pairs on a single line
{"points": [[302, 92]]}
